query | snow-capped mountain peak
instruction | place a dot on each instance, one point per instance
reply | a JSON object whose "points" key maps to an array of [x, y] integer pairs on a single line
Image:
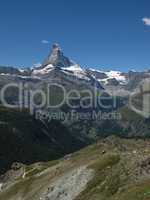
{"points": [[116, 75], [57, 58], [106, 76]]}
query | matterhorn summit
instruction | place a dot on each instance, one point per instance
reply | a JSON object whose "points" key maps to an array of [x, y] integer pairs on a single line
{"points": [[57, 58], [57, 61]]}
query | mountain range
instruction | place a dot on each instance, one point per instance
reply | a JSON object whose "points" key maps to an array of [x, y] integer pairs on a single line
{"points": [[57, 65]]}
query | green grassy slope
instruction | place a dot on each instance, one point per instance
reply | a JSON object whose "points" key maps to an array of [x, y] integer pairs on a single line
{"points": [[119, 173]]}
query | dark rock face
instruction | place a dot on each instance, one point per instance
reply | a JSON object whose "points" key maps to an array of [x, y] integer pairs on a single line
{"points": [[57, 58], [93, 81], [97, 74], [113, 82]]}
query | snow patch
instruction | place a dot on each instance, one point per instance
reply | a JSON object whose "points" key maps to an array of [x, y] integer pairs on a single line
{"points": [[96, 70], [3, 74], [21, 70], [20, 76], [111, 75], [44, 70], [115, 74], [77, 71]]}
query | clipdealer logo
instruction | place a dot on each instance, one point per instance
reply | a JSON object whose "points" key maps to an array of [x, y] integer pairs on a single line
{"points": [[143, 97], [27, 97]]}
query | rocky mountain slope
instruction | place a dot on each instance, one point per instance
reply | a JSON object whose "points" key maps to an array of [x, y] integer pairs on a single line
{"points": [[112, 169]]}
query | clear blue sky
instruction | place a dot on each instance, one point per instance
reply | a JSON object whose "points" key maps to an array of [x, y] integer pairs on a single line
{"points": [[107, 34]]}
